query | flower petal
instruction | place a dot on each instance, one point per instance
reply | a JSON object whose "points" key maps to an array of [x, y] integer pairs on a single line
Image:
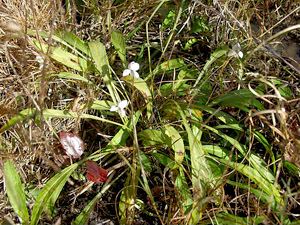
{"points": [[136, 75], [126, 72], [114, 108], [231, 53], [123, 104], [72, 144], [241, 54], [237, 47], [122, 112], [134, 66]]}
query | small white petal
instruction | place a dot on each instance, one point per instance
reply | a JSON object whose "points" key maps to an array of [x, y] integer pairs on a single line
{"points": [[126, 72], [231, 53], [114, 108], [122, 112], [241, 54], [123, 104], [134, 66], [136, 75]]}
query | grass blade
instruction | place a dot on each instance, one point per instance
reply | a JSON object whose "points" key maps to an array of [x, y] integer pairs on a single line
{"points": [[52, 188]]}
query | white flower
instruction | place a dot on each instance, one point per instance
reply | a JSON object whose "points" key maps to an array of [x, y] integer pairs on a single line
{"points": [[236, 51], [132, 68], [120, 107]]}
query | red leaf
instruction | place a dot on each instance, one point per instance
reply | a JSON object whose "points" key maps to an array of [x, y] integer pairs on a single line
{"points": [[72, 144], [95, 173]]}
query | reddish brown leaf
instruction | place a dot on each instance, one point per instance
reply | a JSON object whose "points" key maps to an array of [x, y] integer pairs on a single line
{"points": [[72, 144], [95, 173]]}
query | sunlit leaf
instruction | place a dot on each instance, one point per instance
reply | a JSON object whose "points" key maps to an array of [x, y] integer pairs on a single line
{"points": [[15, 192], [118, 41]]}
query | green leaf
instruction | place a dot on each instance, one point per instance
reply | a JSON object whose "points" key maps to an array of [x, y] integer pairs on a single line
{"points": [[72, 76], [141, 85], [50, 192], [118, 41], [15, 192], [101, 105], [169, 65], [49, 113], [98, 53], [186, 198], [268, 187], [228, 219], [169, 20], [241, 99], [164, 160], [66, 58], [145, 161], [258, 163], [176, 143], [202, 176], [73, 40], [285, 91]]}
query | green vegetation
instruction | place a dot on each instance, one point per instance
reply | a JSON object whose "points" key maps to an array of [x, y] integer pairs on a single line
{"points": [[192, 107]]}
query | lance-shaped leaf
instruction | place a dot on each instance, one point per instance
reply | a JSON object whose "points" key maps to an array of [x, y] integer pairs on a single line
{"points": [[52, 188], [15, 192]]}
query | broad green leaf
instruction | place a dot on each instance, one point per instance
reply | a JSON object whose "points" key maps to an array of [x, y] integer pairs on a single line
{"points": [[169, 20], [201, 174], [167, 135], [15, 192], [189, 43], [218, 151], [176, 143], [98, 53], [50, 113], [252, 173], [224, 117], [71, 76], [66, 58], [145, 161], [118, 41], [101, 105], [169, 65], [285, 91], [164, 160], [23, 115], [241, 99], [73, 40], [152, 137], [258, 163], [141, 85], [268, 199], [52, 188]]}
